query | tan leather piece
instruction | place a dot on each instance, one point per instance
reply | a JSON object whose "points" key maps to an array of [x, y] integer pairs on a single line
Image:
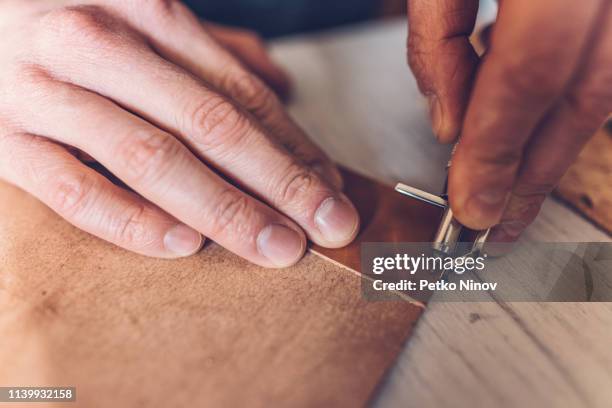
{"points": [[587, 185], [386, 216], [210, 330]]}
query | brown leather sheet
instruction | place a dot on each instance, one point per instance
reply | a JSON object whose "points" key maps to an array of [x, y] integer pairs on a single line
{"points": [[210, 330], [386, 216]]}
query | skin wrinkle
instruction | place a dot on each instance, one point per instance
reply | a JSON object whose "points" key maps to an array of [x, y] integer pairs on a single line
{"points": [[115, 30], [526, 144], [433, 31], [521, 97], [521, 207], [119, 79]]}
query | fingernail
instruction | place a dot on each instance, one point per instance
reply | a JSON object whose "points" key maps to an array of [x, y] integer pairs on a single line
{"points": [[182, 240], [281, 245], [337, 220], [487, 206]]}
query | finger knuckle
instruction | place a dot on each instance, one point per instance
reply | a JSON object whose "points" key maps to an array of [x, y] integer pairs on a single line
{"points": [[232, 215], [415, 38], [161, 9], [74, 19], [78, 25], [69, 193], [501, 155], [523, 207], [528, 76], [298, 182], [131, 228], [417, 61], [503, 151], [217, 122], [146, 155], [535, 86], [31, 77], [591, 102], [414, 47], [250, 92]]}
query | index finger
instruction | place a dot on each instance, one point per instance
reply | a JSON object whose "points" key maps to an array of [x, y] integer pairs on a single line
{"points": [[535, 49]]}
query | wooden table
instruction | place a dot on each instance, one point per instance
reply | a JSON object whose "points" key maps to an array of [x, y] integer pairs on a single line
{"points": [[358, 100]]}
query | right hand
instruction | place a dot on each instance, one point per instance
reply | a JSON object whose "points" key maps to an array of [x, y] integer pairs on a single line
{"points": [[524, 110], [152, 93]]}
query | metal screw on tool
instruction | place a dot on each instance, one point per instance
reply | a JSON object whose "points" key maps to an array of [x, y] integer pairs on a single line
{"points": [[450, 231]]}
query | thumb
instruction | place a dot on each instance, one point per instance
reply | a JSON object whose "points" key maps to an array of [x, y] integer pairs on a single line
{"points": [[443, 59]]}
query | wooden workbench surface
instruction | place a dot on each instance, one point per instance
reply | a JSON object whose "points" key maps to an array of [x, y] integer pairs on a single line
{"points": [[357, 98]]}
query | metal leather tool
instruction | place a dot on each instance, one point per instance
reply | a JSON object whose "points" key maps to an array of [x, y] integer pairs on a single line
{"points": [[452, 238]]}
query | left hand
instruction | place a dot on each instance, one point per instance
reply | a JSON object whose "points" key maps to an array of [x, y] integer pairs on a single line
{"points": [[168, 106], [524, 110]]}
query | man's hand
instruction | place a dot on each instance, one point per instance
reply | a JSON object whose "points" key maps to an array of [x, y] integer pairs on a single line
{"points": [[524, 110], [171, 107]]}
